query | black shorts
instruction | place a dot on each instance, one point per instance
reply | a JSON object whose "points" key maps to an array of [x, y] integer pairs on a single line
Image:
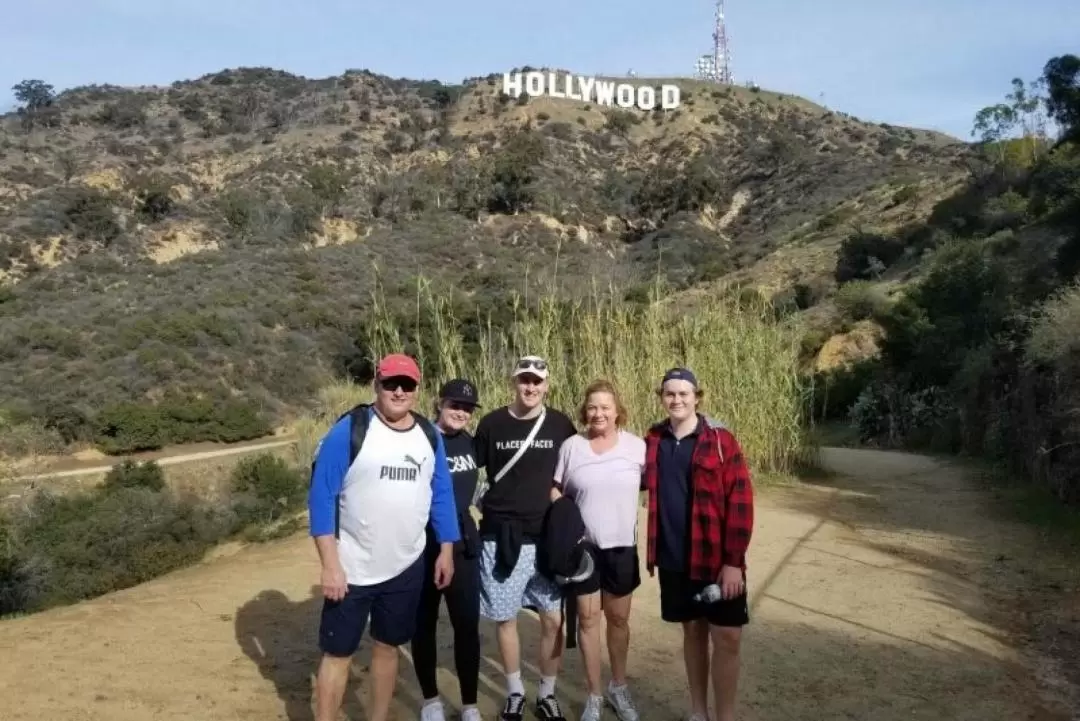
{"points": [[391, 605], [677, 604], [617, 573]]}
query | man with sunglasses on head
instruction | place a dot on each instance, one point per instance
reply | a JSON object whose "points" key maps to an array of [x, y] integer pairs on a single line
{"points": [[518, 446], [458, 400], [380, 475]]}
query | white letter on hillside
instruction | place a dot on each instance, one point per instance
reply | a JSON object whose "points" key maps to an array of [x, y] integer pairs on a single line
{"points": [[670, 96], [534, 84], [512, 86], [586, 88], [553, 86], [568, 88], [605, 91], [626, 96], [646, 98]]}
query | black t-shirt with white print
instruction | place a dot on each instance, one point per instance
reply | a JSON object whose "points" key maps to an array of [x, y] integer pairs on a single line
{"points": [[524, 493], [463, 468]]}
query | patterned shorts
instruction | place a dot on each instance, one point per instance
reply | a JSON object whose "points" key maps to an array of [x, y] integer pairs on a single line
{"points": [[502, 598]]}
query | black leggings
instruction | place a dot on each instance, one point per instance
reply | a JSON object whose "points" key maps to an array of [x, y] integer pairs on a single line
{"points": [[463, 605]]}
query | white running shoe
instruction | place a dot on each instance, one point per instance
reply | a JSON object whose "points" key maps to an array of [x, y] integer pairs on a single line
{"points": [[593, 707], [619, 698], [432, 711]]}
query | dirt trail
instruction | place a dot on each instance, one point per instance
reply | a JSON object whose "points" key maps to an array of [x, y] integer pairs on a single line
{"points": [[890, 593]]}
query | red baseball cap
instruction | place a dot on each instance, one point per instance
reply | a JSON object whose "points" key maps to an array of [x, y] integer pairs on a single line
{"points": [[398, 364]]}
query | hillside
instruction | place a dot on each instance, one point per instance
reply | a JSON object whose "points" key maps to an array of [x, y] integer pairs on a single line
{"points": [[192, 262]]}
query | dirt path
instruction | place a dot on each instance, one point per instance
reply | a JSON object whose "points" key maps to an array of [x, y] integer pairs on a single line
{"points": [[893, 593], [72, 468]]}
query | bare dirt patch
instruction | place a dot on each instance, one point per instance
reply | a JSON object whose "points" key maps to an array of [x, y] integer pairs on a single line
{"points": [[896, 593]]}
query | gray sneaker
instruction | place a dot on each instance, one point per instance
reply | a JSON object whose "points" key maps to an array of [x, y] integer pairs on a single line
{"points": [[593, 707], [619, 698]]}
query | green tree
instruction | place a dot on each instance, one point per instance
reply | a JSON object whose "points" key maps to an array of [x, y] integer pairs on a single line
{"points": [[1062, 77], [37, 98], [513, 173]]}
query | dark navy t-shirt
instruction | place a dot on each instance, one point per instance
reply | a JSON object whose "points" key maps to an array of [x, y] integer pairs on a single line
{"points": [[463, 468], [673, 491]]}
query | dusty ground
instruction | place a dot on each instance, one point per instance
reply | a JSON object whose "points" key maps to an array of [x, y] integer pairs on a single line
{"points": [[895, 592]]}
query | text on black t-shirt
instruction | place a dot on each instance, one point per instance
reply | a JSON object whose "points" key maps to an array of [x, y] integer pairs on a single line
{"points": [[524, 493]]}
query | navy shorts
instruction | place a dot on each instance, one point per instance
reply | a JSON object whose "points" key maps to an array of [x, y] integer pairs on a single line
{"points": [[391, 605]]}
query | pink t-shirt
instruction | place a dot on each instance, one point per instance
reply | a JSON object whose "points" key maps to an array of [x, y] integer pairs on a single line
{"points": [[604, 486]]}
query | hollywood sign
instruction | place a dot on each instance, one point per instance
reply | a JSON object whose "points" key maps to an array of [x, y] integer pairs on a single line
{"points": [[591, 90]]}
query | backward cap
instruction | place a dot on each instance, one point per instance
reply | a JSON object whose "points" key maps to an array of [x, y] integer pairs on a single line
{"points": [[680, 374]]}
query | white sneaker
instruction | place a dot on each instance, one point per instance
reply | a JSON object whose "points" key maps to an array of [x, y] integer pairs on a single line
{"points": [[471, 714], [619, 698], [432, 711], [593, 707]]}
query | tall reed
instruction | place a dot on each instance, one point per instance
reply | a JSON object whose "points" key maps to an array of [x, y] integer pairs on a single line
{"points": [[744, 357]]}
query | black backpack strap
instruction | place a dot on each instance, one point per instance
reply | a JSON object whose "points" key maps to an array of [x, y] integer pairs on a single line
{"points": [[429, 430], [360, 420], [360, 416]]}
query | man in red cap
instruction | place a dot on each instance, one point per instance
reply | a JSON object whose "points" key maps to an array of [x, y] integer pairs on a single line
{"points": [[380, 476]]}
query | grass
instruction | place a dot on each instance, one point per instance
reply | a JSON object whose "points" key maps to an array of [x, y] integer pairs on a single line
{"points": [[746, 361]]}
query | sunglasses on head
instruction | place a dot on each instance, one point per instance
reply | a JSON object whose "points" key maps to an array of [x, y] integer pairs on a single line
{"points": [[527, 363], [392, 384]]}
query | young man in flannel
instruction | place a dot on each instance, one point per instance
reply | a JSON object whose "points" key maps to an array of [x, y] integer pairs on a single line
{"points": [[701, 514]]}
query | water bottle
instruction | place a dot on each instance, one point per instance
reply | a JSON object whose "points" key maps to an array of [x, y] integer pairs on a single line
{"points": [[709, 594]]}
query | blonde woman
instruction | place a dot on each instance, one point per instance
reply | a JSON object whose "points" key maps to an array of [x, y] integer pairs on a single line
{"points": [[600, 469]]}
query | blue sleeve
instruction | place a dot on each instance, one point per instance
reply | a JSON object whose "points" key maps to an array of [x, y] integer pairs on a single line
{"points": [[327, 476], [443, 507]]}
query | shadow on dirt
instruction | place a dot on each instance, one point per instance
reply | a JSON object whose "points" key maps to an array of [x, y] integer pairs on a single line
{"points": [[281, 638], [962, 545]]}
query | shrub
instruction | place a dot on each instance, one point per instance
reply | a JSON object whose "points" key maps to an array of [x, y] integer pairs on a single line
{"points": [[866, 256], [1055, 332], [62, 549], [861, 300], [267, 487], [132, 474], [87, 544], [133, 427]]}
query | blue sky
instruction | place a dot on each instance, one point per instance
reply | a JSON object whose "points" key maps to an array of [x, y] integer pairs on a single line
{"points": [[925, 63]]}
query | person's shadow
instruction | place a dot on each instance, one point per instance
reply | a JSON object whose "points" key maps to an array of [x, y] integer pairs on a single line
{"points": [[280, 637]]}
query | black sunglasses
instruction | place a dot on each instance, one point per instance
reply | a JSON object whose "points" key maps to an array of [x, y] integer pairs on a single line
{"points": [[459, 406], [392, 384], [537, 364]]}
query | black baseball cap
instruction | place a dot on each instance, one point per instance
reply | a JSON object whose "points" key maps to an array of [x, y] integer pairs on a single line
{"points": [[680, 374], [461, 391]]}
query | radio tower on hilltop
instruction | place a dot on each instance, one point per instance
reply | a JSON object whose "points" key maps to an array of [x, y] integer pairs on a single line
{"points": [[716, 67]]}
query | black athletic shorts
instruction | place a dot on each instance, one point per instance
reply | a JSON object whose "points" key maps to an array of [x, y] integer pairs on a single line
{"points": [[677, 604], [617, 572]]}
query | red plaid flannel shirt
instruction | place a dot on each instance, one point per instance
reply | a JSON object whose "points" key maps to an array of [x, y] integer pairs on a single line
{"points": [[721, 501]]}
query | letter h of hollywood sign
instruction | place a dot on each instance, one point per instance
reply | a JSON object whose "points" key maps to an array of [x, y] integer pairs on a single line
{"points": [[602, 92]]}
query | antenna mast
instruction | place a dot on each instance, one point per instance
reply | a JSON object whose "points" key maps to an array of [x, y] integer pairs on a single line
{"points": [[716, 67]]}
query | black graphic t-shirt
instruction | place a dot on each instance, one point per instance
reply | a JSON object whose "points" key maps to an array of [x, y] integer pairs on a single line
{"points": [[463, 468], [524, 493]]}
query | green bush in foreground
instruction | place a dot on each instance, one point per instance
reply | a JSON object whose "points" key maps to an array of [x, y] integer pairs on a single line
{"points": [[59, 549]]}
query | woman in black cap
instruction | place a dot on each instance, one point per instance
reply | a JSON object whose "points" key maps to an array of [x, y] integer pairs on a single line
{"points": [[458, 400]]}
